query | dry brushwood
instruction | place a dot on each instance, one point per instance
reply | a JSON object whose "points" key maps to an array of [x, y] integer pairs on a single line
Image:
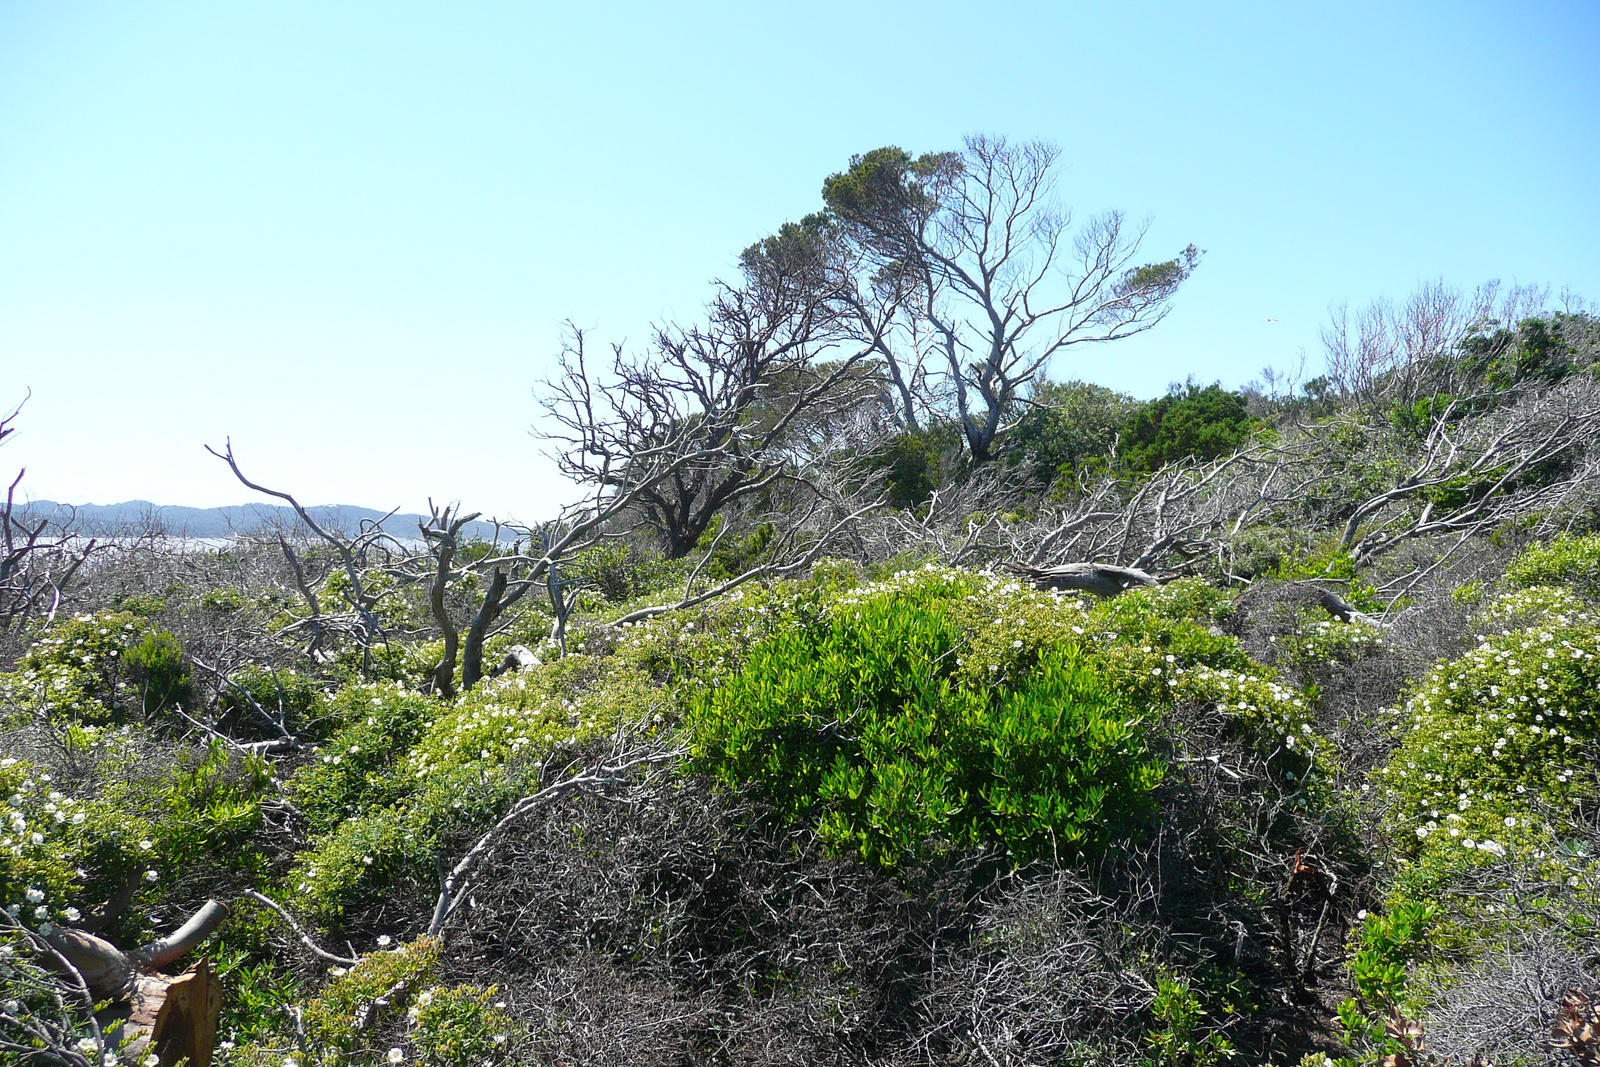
{"points": [[171, 1017]]}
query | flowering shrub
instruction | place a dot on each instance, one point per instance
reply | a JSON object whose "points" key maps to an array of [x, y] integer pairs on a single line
{"points": [[105, 668], [407, 770], [1488, 736], [1569, 561], [60, 854], [1325, 642]]}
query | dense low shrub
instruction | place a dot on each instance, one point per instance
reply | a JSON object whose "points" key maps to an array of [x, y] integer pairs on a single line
{"points": [[947, 708], [1565, 561], [111, 667]]}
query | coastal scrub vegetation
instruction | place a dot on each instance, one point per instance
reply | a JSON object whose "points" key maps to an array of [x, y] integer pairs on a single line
{"points": [[883, 701]]}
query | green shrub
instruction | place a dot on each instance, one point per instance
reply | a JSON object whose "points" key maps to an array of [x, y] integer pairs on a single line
{"points": [[407, 774], [1198, 423], [1570, 561], [862, 724], [354, 770], [254, 696], [1068, 429], [106, 668], [224, 601], [1491, 737], [48, 837], [156, 668], [393, 995]]}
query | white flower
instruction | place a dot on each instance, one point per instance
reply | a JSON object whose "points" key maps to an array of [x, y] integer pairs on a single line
{"points": [[384, 940], [147, 844], [151, 876], [396, 1056], [34, 895]]}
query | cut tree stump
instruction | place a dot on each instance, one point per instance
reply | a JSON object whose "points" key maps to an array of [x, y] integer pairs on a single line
{"points": [[172, 1016]]}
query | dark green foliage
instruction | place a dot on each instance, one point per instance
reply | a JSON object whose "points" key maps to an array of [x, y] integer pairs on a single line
{"points": [[1199, 423], [259, 703], [621, 570], [860, 725], [735, 554], [1069, 428], [1546, 350], [916, 464]]}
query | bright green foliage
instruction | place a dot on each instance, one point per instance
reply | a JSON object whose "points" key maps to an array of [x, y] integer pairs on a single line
{"points": [[1330, 562], [255, 694], [46, 837], [460, 1026], [224, 601], [950, 707], [61, 855], [861, 723], [1318, 641], [1179, 1039], [1385, 945], [1571, 561], [156, 669], [1202, 423], [353, 770]]}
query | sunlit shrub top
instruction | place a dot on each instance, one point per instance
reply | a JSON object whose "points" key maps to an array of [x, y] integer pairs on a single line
{"points": [[393, 994], [1490, 736], [62, 854], [1566, 560]]}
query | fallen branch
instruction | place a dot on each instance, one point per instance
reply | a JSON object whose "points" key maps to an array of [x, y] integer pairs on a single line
{"points": [[305, 938]]}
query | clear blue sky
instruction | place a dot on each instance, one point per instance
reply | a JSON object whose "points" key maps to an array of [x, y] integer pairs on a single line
{"points": [[346, 234]]}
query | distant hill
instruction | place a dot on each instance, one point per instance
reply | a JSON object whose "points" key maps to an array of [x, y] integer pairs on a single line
{"points": [[138, 516]]}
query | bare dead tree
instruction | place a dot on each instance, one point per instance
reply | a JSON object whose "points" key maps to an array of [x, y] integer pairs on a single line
{"points": [[353, 552], [711, 414], [1001, 284], [1474, 473], [1403, 353], [39, 555]]}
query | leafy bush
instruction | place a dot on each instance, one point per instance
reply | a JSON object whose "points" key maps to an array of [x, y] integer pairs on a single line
{"points": [[407, 773], [388, 1009], [257, 700], [1199, 423], [866, 722], [1492, 735], [914, 465], [1068, 428], [1570, 561], [112, 667]]}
